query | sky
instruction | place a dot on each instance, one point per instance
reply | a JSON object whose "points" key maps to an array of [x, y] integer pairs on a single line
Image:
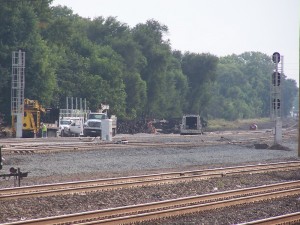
{"points": [[218, 27]]}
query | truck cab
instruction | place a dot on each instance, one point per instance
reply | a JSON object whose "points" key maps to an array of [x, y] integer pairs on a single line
{"points": [[76, 127], [63, 122], [92, 126], [97, 116], [70, 126]]}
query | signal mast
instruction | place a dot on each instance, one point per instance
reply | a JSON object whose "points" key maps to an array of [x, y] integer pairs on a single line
{"points": [[276, 101]]}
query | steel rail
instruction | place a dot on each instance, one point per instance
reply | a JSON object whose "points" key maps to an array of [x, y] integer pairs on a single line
{"points": [[194, 208], [58, 148], [138, 181], [12, 146], [36, 142], [95, 146], [150, 211], [291, 218]]}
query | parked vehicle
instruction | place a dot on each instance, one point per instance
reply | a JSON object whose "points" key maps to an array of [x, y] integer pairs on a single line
{"points": [[191, 124], [71, 126], [75, 128], [34, 115], [63, 122], [92, 126]]}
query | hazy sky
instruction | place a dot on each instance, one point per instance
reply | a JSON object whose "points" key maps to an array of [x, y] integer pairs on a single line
{"points": [[219, 27]]}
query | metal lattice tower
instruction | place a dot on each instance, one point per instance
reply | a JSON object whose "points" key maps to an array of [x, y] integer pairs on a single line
{"points": [[17, 91]]}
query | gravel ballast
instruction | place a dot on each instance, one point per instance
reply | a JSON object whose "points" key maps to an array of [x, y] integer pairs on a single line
{"points": [[143, 159], [12, 210], [126, 161]]}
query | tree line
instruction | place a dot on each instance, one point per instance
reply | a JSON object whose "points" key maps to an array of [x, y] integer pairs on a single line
{"points": [[134, 70]]}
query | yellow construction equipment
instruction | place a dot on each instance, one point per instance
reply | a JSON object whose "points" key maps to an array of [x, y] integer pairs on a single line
{"points": [[31, 118]]}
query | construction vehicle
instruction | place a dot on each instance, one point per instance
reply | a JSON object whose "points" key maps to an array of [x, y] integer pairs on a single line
{"points": [[31, 119], [191, 124], [34, 112]]}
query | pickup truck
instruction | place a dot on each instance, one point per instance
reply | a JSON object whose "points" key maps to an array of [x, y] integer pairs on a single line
{"points": [[92, 126], [76, 128], [71, 127], [63, 122]]}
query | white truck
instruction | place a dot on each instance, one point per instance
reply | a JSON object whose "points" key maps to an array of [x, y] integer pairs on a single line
{"points": [[75, 128], [71, 126], [71, 122], [63, 122], [92, 127]]}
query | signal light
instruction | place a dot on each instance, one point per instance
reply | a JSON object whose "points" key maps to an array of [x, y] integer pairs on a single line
{"points": [[276, 103], [276, 57], [276, 78]]}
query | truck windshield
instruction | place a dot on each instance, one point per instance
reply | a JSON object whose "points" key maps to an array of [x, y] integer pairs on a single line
{"points": [[65, 122], [97, 116]]}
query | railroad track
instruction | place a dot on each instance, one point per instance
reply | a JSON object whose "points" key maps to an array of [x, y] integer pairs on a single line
{"points": [[292, 218], [45, 148], [59, 147], [52, 145], [138, 181], [80, 146], [175, 207]]}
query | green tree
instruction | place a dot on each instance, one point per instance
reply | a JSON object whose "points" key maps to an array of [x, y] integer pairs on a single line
{"points": [[200, 70], [176, 89], [289, 94], [134, 70], [243, 80], [19, 29], [258, 68], [149, 36]]}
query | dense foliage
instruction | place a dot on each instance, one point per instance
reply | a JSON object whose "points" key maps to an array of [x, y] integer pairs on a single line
{"points": [[134, 70]]}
